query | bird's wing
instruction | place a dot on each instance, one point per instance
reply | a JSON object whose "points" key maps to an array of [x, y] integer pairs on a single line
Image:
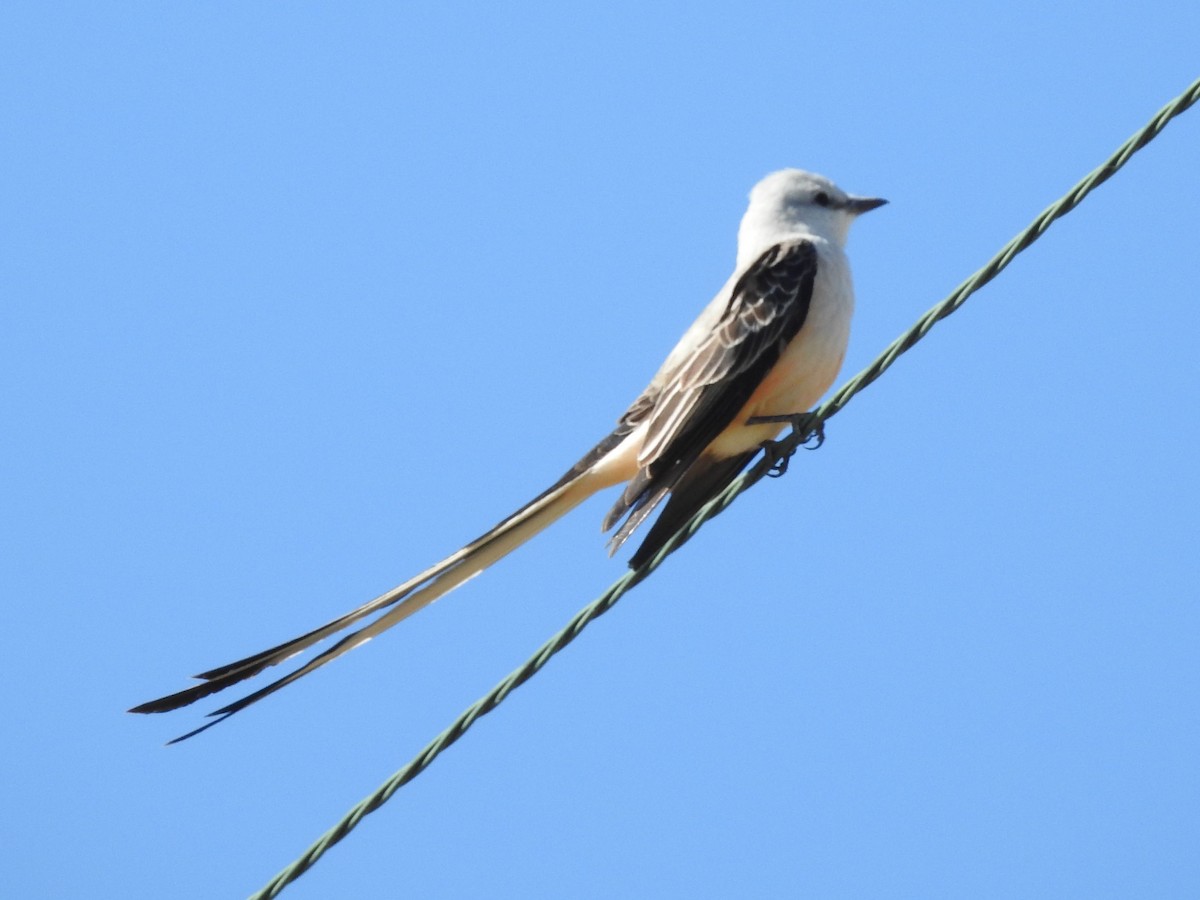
{"points": [[699, 399]]}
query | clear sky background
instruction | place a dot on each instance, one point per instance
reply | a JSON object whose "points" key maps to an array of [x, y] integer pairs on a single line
{"points": [[295, 298]]}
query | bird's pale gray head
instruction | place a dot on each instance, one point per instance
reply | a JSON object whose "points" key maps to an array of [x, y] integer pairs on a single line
{"points": [[795, 201]]}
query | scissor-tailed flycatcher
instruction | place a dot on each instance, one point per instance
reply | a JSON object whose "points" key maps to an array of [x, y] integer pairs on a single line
{"points": [[769, 344]]}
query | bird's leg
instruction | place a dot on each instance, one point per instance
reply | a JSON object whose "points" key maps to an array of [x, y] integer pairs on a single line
{"points": [[804, 424]]}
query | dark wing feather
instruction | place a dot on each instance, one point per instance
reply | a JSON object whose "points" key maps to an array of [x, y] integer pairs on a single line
{"points": [[697, 486], [767, 308]]}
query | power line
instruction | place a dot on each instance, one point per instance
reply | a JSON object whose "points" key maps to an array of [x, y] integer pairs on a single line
{"points": [[774, 461]]}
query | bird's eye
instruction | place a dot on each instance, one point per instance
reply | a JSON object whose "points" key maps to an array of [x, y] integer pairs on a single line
{"points": [[822, 199]]}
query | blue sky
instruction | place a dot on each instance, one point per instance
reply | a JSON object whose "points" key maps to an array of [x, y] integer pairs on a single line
{"points": [[296, 298]]}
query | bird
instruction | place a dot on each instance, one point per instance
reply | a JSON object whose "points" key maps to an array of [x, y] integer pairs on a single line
{"points": [[767, 346]]}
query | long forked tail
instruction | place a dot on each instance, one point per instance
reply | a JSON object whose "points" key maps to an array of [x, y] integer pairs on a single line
{"points": [[400, 603]]}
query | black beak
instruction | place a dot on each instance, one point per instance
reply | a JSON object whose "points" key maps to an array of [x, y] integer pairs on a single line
{"points": [[860, 205]]}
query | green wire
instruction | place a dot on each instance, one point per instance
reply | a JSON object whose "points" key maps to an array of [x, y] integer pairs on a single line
{"points": [[774, 459]]}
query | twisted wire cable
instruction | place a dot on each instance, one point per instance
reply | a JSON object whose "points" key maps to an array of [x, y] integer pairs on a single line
{"points": [[774, 461]]}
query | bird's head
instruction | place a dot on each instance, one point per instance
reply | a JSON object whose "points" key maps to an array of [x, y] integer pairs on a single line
{"points": [[794, 201]]}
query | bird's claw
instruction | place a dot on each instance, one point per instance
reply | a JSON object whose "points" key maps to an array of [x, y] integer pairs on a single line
{"points": [[811, 430], [781, 453], [805, 430]]}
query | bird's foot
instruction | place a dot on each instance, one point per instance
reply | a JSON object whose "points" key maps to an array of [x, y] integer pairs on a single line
{"points": [[804, 424], [781, 452], [805, 430], [811, 429]]}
